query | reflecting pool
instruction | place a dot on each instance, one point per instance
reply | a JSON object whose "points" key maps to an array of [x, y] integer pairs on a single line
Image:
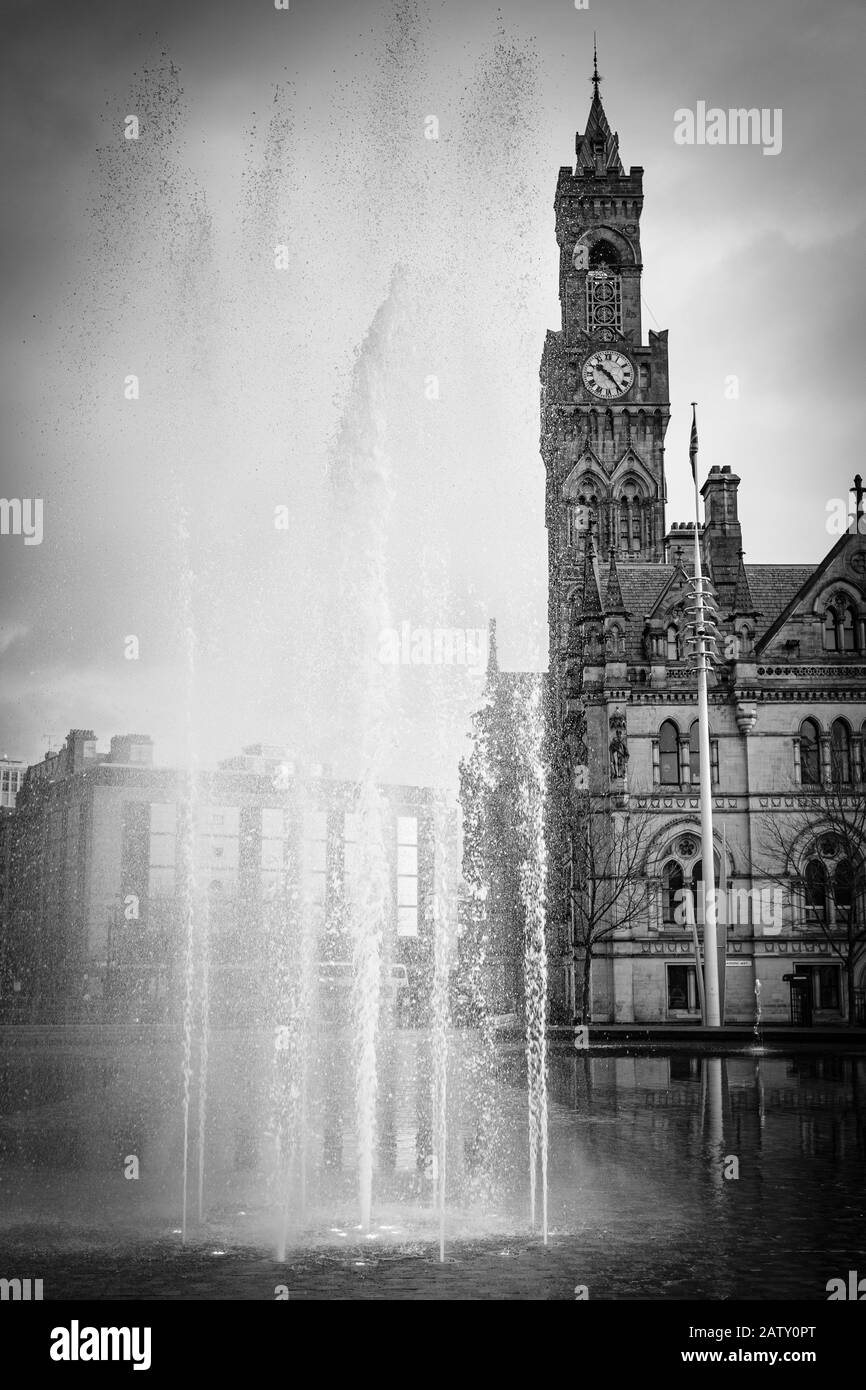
{"points": [[673, 1175]]}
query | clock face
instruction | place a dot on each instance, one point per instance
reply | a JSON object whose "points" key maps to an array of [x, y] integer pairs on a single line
{"points": [[607, 373]]}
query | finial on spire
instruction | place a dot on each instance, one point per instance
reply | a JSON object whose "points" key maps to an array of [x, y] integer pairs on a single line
{"points": [[595, 79]]}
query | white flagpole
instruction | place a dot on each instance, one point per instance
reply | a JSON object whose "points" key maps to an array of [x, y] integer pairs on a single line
{"points": [[711, 957]]}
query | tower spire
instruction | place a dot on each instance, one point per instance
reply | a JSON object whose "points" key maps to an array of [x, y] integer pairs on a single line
{"points": [[613, 602], [597, 149], [595, 79]]}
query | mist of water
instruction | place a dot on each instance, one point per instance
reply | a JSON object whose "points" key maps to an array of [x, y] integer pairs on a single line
{"points": [[533, 881]]}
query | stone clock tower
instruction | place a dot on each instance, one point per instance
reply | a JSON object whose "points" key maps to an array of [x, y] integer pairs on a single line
{"points": [[604, 393], [787, 692]]}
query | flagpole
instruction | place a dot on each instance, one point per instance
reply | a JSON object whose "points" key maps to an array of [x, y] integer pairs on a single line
{"points": [[711, 957]]}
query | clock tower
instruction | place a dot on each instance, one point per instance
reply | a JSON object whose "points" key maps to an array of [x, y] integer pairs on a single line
{"points": [[604, 393]]}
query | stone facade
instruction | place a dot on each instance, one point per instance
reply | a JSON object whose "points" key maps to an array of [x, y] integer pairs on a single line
{"points": [[788, 686]]}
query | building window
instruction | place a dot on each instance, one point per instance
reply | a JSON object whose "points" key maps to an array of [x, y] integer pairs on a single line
{"points": [[407, 876], [840, 626], [630, 512], [673, 643], [673, 893], [682, 989], [695, 756], [582, 515], [163, 844], [810, 754], [840, 752], [669, 754], [315, 855], [843, 890], [825, 980], [697, 887], [815, 883], [695, 753], [829, 631], [824, 983], [272, 849], [603, 292]]}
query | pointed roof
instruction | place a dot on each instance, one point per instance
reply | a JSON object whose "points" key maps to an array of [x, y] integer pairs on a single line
{"points": [[811, 576], [590, 600], [679, 583], [743, 602], [613, 602], [597, 128]]}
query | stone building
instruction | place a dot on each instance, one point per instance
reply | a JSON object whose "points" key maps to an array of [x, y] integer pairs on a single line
{"points": [[105, 851], [788, 688]]}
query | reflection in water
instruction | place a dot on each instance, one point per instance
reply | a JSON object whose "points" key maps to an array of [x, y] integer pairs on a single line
{"points": [[643, 1199]]}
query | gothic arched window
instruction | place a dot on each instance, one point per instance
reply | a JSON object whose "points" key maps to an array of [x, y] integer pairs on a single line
{"points": [[695, 752], [672, 878], [630, 513], [840, 626], [603, 292], [815, 883], [829, 631], [840, 752], [843, 889], [672, 640], [669, 754], [603, 256], [810, 754]]}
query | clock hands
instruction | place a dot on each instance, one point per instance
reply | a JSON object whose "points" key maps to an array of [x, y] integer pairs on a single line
{"points": [[599, 368]]}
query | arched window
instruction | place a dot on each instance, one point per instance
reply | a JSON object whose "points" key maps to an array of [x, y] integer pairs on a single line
{"points": [[810, 754], [840, 752], [829, 631], [672, 639], [630, 512], [673, 881], [815, 882], [698, 886], [603, 292], [669, 754], [602, 256], [695, 752], [840, 626], [843, 890]]}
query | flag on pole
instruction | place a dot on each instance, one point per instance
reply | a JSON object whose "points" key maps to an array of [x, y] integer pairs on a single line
{"points": [[693, 444]]}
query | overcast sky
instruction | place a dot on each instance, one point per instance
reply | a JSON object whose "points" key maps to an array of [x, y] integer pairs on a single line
{"points": [[308, 387]]}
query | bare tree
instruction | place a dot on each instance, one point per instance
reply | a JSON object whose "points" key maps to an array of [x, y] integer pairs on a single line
{"points": [[817, 854], [608, 885]]}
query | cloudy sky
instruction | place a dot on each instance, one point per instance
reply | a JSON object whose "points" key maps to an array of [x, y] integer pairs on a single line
{"points": [[308, 388]]}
